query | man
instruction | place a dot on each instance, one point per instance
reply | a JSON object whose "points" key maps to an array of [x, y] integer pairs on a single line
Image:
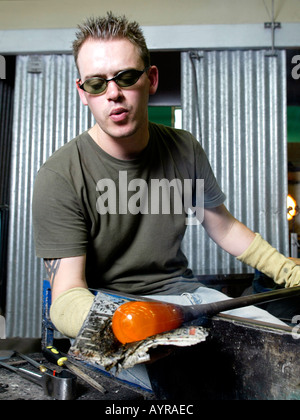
{"points": [[85, 229]]}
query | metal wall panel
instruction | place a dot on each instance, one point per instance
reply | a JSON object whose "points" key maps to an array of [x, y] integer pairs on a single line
{"points": [[6, 119], [47, 114], [234, 102]]}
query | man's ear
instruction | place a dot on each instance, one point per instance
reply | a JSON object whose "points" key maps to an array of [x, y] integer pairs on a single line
{"points": [[81, 92], [153, 77]]}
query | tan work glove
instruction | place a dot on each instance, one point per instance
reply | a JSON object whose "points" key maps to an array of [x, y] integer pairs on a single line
{"points": [[70, 309], [262, 256]]}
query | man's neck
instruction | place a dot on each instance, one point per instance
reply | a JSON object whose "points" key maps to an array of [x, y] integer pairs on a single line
{"points": [[121, 148]]}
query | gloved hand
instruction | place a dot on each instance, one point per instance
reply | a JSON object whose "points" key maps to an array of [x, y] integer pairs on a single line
{"points": [[70, 309], [262, 256]]}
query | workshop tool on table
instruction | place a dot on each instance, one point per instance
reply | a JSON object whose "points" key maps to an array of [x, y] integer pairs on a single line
{"points": [[55, 356], [137, 320], [34, 363], [59, 385]]}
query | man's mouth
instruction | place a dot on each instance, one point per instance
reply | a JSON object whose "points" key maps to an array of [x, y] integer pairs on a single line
{"points": [[118, 114]]}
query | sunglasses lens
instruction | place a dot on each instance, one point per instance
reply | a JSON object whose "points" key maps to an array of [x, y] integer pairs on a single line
{"points": [[97, 85], [128, 78], [94, 85]]}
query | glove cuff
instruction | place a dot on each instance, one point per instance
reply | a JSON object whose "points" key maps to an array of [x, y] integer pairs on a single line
{"points": [[263, 257]]}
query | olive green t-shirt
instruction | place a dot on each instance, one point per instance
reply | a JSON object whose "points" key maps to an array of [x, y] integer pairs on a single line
{"points": [[124, 215]]}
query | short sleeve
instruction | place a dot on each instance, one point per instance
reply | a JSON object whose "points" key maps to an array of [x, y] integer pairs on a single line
{"points": [[213, 194], [58, 222]]}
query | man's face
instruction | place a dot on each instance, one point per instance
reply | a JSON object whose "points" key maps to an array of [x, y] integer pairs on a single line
{"points": [[120, 112]]}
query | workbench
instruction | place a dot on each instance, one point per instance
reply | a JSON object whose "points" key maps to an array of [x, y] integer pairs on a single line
{"points": [[15, 387], [240, 360]]}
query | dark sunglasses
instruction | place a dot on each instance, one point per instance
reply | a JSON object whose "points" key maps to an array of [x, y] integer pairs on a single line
{"points": [[126, 78]]}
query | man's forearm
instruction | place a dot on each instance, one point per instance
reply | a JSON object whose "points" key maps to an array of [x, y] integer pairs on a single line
{"points": [[226, 231], [250, 248], [71, 299]]}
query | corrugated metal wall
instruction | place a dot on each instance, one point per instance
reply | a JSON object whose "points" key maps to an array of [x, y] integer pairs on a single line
{"points": [[47, 113], [234, 102], [6, 119], [242, 123]]}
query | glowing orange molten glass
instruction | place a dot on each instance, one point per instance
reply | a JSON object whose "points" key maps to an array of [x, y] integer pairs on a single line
{"points": [[135, 321], [291, 207]]}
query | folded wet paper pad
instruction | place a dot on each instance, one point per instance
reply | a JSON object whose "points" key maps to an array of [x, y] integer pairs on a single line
{"points": [[96, 343]]}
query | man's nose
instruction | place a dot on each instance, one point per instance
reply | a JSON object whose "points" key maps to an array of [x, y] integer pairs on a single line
{"points": [[113, 91]]}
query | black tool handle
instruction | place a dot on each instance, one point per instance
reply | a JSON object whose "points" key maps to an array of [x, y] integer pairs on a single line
{"points": [[54, 356]]}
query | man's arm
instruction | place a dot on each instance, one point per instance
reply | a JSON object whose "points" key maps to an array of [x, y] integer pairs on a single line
{"points": [[65, 274], [224, 229], [249, 247], [71, 299]]}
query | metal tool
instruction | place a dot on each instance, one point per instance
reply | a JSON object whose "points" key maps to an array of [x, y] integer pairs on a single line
{"points": [[55, 356], [137, 320], [41, 367], [59, 385]]}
